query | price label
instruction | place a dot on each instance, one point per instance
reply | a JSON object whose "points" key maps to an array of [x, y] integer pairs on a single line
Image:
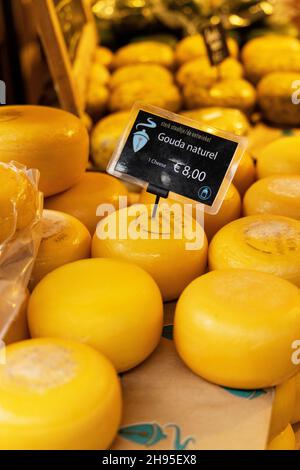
{"points": [[216, 44], [174, 154]]}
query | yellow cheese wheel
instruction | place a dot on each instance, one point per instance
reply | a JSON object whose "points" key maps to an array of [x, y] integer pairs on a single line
{"points": [[274, 94], [82, 200], [233, 330], [296, 411], [233, 93], [279, 157], [57, 395], [274, 195], [144, 52], [193, 47], [283, 407], [159, 251], [18, 200], [105, 137], [245, 174], [200, 72], [97, 100], [51, 140], [229, 210], [115, 307], [104, 56], [226, 119], [98, 74], [150, 72], [284, 441], [64, 239], [263, 242], [157, 94], [18, 330]]}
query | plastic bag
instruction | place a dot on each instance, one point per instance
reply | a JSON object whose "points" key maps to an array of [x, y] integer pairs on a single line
{"points": [[17, 254]]}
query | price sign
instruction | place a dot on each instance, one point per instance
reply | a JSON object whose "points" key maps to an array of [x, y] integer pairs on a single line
{"points": [[173, 154], [216, 44]]}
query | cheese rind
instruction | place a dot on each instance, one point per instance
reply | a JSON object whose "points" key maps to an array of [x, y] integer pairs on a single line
{"points": [[232, 330], [64, 239], [51, 140], [57, 395], [263, 242], [163, 254], [113, 306], [279, 194], [283, 407], [83, 199], [296, 412]]}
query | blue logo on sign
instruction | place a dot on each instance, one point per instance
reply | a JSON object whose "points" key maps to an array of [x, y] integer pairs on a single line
{"points": [[141, 138], [204, 193]]}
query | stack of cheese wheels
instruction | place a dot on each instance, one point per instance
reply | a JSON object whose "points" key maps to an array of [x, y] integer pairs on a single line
{"points": [[264, 242], [286, 440], [113, 306], [64, 239], [171, 247], [18, 200], [229, 211], [283, 407], [83, 199], [57, 395], [280, 157], [48, 139], [18, 329], [279, 194], [231, 329], [296, 411]]}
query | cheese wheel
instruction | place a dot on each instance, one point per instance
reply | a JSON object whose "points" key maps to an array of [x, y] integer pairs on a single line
{"points": [[264, 242], [98, 74], [82, 200], [200, 72], [231, 329], [104, 56], [284, 441], [57, 395], [150, 72], [18, 200], [159, 250], [18, 330], [283, 407], [51, 140], [113, 306], [193, 47], [144, 52], [226, 119], [279, 157], [157, 94], [274, 93], [245, 174], [105, 137], [97, 100], [64, 239], [229, 210], [274, 195], [233, 93], [296, 411]]}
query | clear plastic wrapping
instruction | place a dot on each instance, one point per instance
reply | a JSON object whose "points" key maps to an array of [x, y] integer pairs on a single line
{"points": [[18, 251]]}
